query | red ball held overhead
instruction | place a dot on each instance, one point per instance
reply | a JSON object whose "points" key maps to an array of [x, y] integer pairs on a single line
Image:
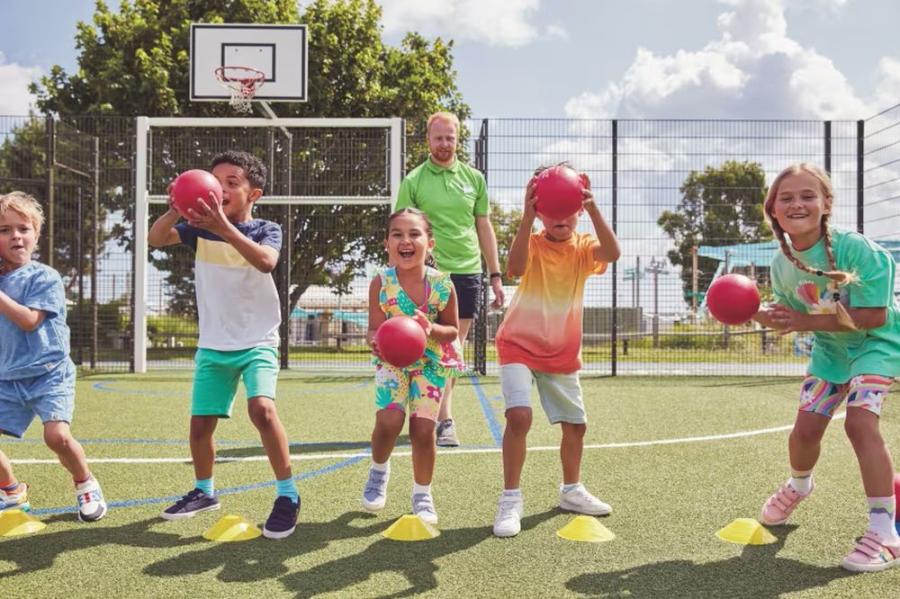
{"points": [[400, 341], [193, 186], [733, 299], [558, 190]]}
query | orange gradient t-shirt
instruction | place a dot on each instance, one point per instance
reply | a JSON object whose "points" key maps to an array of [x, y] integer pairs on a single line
{"points": [[542, 327]]}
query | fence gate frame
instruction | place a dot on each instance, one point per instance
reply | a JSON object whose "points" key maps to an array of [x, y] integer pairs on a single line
{"points": [[143, 197]]}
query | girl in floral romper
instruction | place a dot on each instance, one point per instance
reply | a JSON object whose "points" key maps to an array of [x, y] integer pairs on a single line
{"points": [[408, 287]]}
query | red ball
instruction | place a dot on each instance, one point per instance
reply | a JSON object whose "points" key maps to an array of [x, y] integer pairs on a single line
{"points": [[733, 299], [191, 187], [400, 341], [559, 192]]}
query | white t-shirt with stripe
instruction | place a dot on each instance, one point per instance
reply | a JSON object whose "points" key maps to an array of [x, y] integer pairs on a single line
{"points": [[237, 304]]}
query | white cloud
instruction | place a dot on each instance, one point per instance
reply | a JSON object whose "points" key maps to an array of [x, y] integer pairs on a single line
{"points": [[14, 79], [494, 22], [754, 70]]}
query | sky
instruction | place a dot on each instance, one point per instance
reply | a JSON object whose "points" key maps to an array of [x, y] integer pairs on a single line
{"points": [[820, 59], [746, 59]]}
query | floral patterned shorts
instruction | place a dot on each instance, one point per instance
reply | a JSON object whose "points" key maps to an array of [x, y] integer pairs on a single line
{"points": [[417, 391]]}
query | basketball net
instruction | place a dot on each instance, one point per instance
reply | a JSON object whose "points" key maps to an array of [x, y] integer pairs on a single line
{"points": [[242, 82]]}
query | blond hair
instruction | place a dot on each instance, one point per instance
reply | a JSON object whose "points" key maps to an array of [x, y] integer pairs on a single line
{"points": [[24, 204], [442, 116], [838, 278]]}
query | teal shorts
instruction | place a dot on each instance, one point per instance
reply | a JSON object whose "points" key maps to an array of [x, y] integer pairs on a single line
{"points": [[217, 373]]}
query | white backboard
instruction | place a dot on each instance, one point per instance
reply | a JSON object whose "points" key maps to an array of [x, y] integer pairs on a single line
{"points": [[279, 51]]}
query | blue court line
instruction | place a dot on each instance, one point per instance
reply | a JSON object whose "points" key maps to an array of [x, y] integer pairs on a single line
{"points": [[229, 491], [489, 416]]}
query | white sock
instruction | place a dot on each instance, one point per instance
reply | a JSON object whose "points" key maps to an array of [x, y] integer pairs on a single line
{"points": [[514, 493], [801, 481], [417, 489], [571, 487], [386, 467], [881, 517]]}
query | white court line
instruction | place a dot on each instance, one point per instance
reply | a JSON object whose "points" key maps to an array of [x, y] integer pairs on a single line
{"points": [[331, 456]]}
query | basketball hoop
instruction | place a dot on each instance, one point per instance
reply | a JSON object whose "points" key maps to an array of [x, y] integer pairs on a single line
{"points": [[242, 82]]}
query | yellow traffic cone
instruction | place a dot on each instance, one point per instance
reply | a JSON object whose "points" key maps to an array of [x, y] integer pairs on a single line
{"points": [[232, 528], [16, 522], [410, 528], [586, 529], [746, 531]]}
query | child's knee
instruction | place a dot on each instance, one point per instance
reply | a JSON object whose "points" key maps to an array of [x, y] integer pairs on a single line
{"points": [[518, 420], [421, 430], [58, 439], [262, 413], [574, 430], [861, 426]]}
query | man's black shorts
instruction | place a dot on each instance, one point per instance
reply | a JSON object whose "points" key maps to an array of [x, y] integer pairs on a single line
{"points": [[468, 293]]}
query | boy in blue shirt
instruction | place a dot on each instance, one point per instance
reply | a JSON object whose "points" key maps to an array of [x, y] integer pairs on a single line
{"points": [[37, 377], [239, 312]]}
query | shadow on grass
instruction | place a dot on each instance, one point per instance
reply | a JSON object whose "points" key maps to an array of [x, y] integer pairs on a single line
{"points": [[413, 561], [39, 551], [301, 448], [262, 558], [758, 572]]}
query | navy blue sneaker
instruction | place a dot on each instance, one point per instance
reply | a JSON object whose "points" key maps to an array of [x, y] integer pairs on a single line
{"points": [[283, 519], [191, 504]]}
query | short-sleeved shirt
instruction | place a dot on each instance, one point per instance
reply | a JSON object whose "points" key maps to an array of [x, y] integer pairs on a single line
{"points": [[26, 354], [451, 198], [838, 357], [542, 327], [238, 305]]}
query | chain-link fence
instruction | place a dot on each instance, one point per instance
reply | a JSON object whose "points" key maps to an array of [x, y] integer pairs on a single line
{"points": [[684, 196]]}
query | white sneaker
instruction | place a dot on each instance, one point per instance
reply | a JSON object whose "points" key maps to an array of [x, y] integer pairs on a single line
{"points": [[580, 501], [423, 507], [375, 492], [508, 521], [89, 499]]}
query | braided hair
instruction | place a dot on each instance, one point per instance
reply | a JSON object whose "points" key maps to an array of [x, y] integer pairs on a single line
{"points": [[838, 278]]}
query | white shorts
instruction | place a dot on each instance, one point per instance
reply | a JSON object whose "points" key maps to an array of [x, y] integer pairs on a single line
{"points": [[560, 393]]}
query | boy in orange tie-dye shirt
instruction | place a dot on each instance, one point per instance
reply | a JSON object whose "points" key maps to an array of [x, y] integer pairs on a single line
{"points": [[540, 341]]}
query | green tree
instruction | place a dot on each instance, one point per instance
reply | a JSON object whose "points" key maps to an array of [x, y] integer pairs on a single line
{"points": [[720, 206], [135, 62]]}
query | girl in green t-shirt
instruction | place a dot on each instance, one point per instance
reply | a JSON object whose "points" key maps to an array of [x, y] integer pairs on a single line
{"points": [[838, 285]]}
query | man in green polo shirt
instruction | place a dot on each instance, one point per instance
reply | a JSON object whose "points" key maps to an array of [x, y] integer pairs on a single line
{"points": [[454, 197]]}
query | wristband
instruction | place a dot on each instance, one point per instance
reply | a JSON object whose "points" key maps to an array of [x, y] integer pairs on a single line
{"points": [[496, 275]]}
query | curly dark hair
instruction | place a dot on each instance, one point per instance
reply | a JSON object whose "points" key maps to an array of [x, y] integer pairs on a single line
{"points": [[254, 169]]}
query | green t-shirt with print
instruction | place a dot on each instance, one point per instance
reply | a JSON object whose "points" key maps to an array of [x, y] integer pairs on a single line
{"points": [[838, 357], [451, 198]]}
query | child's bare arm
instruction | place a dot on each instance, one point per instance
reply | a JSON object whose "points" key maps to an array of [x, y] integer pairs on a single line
{"points": [[27, 319], [517, 260], [163, 232], [608, 249], [264, 258], [376, 316], [446, 329]]}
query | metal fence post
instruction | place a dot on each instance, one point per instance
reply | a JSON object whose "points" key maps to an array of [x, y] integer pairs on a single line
{"points": [[827, 141], [614, 337], [860, 169]]}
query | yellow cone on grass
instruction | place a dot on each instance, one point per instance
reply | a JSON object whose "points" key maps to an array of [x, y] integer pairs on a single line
{"points": [[232, 528], [586, 529], [16, 522], [746, 531], [410, 528]]}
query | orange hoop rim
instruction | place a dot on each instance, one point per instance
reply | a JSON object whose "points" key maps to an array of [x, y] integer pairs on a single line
{"points": [[247, 84]]}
